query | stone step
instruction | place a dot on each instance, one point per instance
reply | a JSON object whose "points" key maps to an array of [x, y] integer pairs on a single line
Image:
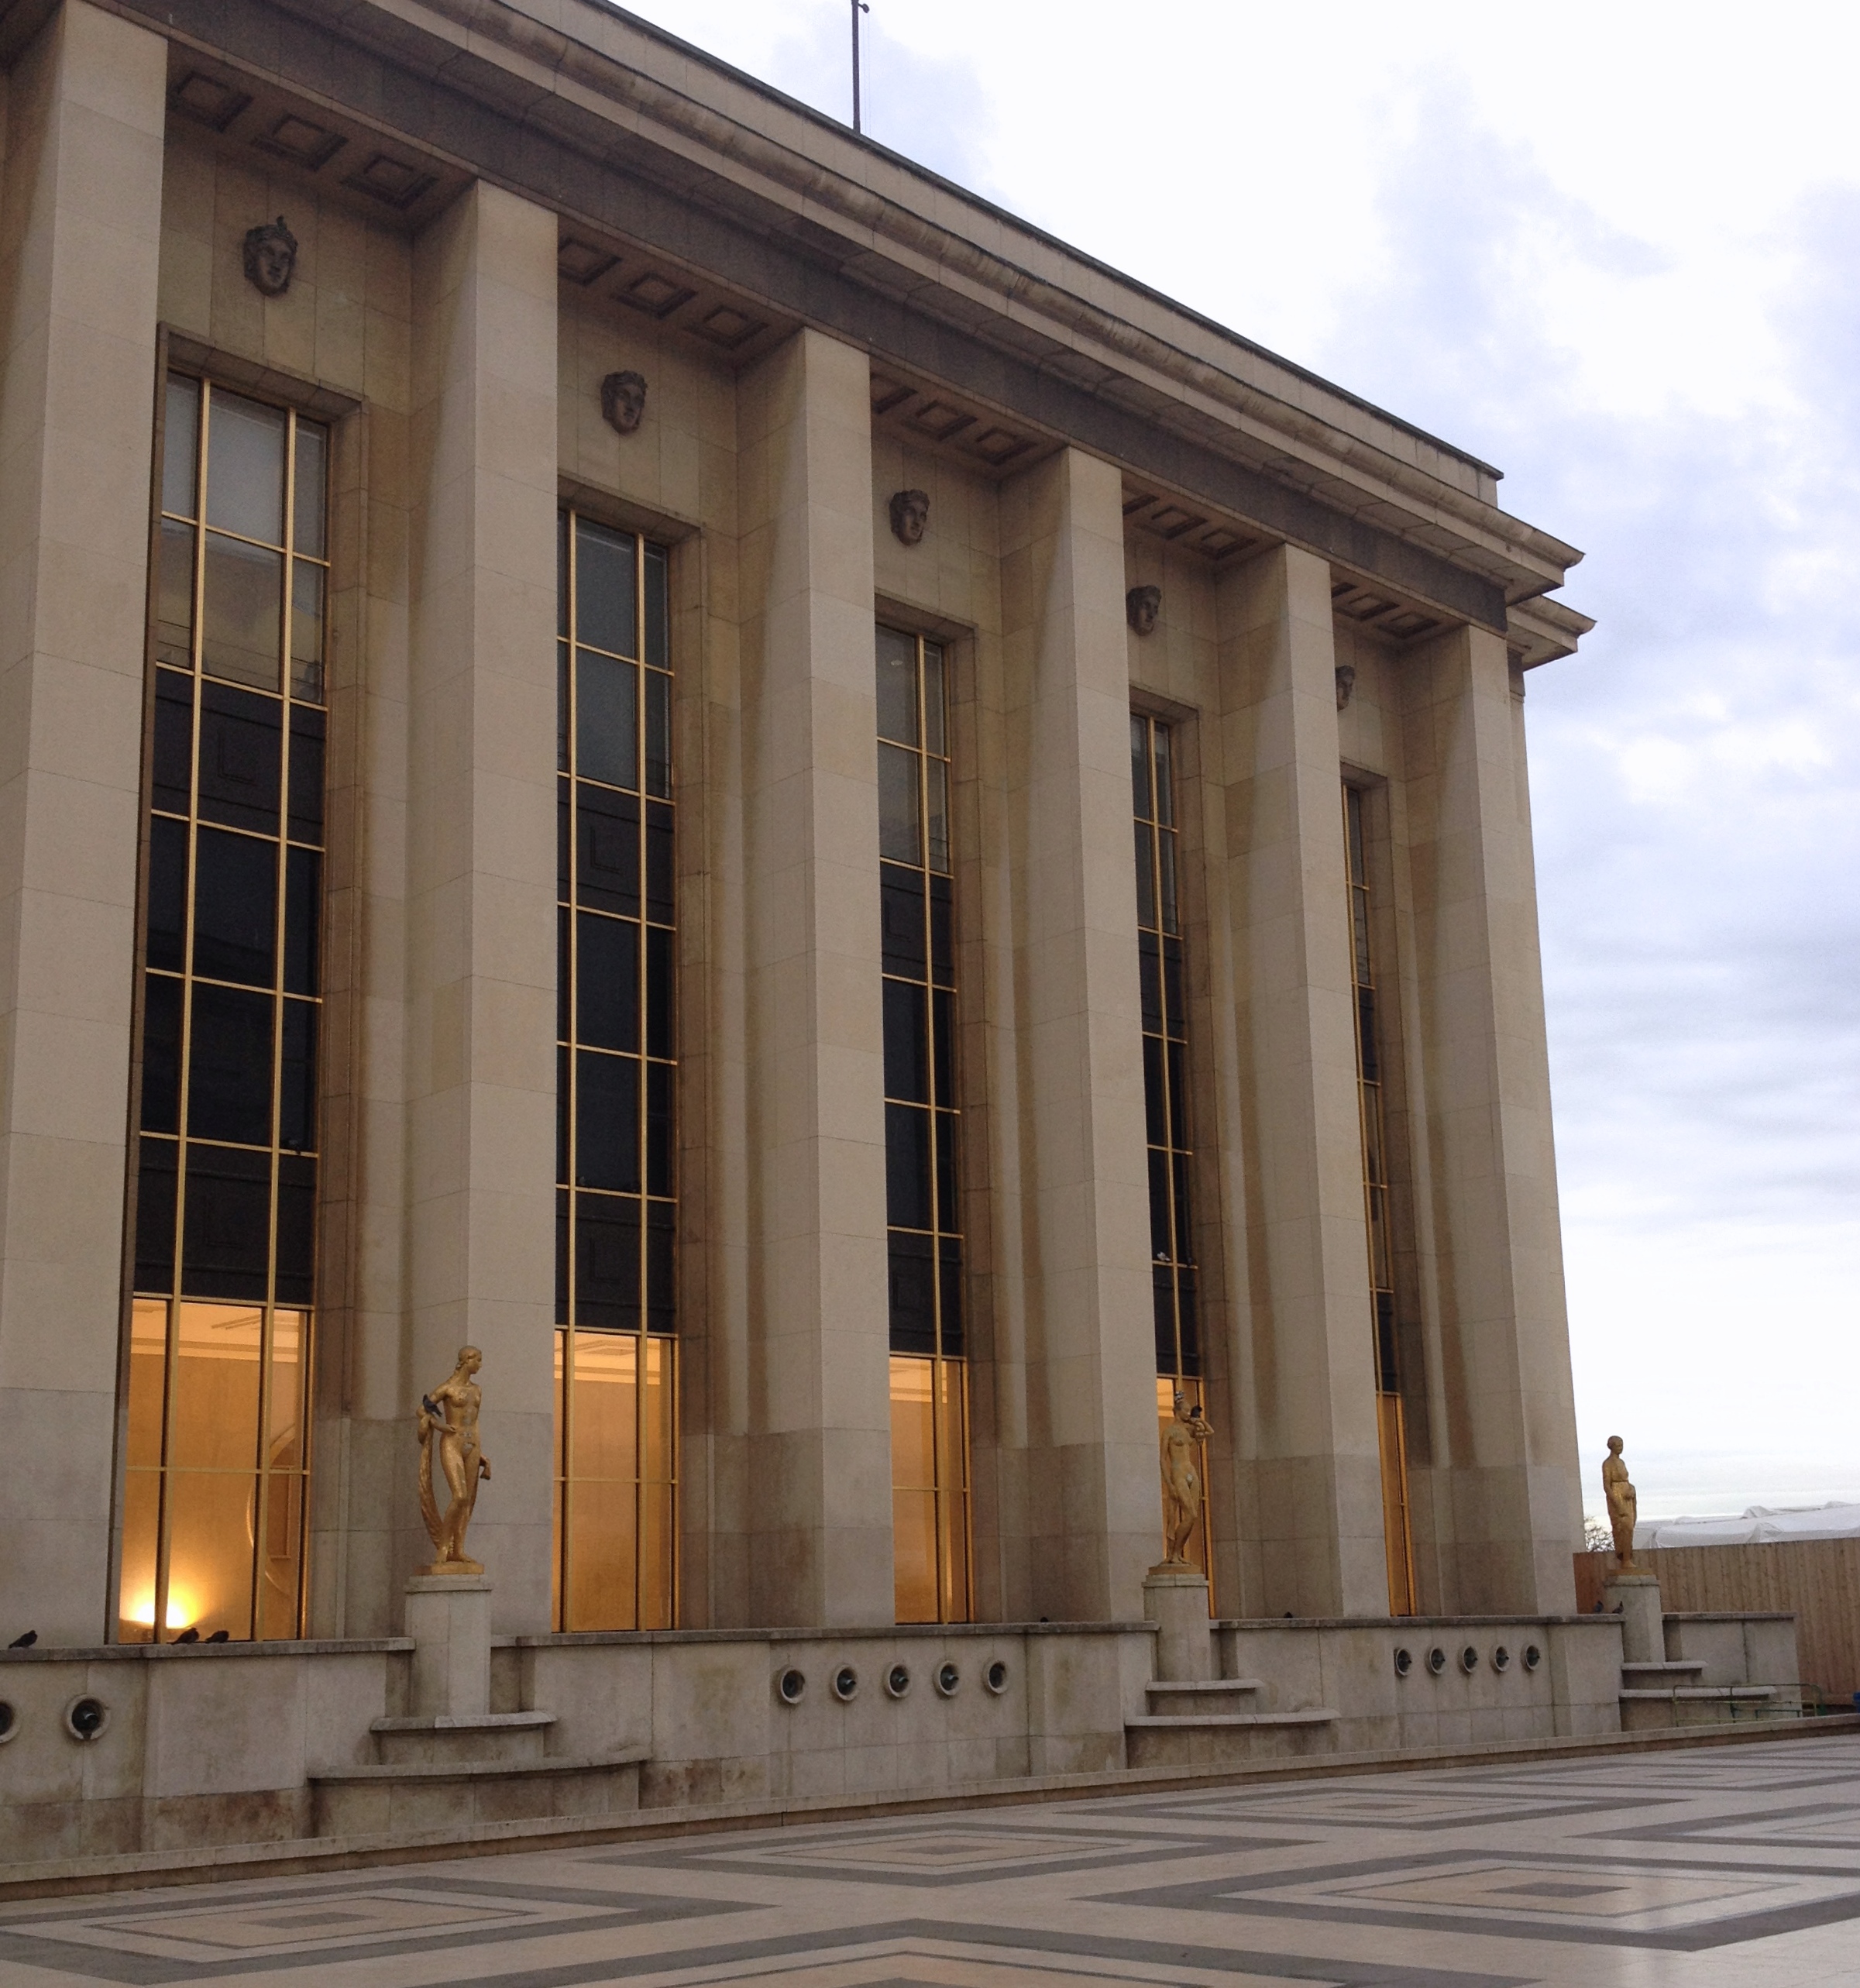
{"points": [[419, 1795], [1645, 1675], [1702, 1704], [1221, 1739], [485, 1736]]}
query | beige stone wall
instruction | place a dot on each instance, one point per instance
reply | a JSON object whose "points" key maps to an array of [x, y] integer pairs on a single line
{"points": [[80, 232]]}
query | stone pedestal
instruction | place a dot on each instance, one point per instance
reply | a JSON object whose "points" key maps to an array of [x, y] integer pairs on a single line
{"points": [[1636, 1598], [448, 1616], [1175, 1598]]}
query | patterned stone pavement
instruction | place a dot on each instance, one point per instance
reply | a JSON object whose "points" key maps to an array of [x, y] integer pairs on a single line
{"points": [[1714, 1868]]}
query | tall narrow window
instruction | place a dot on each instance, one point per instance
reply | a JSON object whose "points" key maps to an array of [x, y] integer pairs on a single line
{"points": [[1162, 967], [224, 1286], [929, 1372], [616, 1186], [1391, 1436]]}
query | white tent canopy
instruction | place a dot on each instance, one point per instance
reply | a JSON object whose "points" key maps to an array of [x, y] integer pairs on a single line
{"points": [[1760, 1523]]}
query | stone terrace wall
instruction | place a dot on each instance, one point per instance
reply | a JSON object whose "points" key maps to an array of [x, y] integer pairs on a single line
{"points": [[1816, 1580]]}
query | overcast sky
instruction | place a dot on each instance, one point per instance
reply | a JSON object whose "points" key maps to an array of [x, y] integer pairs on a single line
{"points": [[1615, 251]]}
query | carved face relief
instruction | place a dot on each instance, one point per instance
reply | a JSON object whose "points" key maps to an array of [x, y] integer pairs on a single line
{"points": [[1346, 682], [270, 257], [1142, 605], [623, 402], [910, 516]]}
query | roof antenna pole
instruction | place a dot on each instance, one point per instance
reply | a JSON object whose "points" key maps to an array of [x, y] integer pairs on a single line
{"points": [[858, 7]]}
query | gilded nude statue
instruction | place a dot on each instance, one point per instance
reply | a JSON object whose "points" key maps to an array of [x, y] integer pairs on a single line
{"points": [[1624, 1505], [1182, 1487], [448, 1424]]}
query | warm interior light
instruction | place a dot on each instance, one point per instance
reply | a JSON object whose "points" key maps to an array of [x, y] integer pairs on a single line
{"points": [[184, 1609]]}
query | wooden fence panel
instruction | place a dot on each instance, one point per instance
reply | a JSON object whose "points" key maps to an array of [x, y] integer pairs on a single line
{"points": [[1816, 1581]]}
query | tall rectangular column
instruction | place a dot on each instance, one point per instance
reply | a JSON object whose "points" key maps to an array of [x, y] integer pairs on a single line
{"points": [[79, 234], [814, 1501], [1307, 1457], [481, 863], [1508, 1457], [1095, 1495]]}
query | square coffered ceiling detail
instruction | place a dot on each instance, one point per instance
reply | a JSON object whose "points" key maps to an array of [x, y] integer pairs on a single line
{"points": [[683, 300], [260, 125], [1182, 525], [932, 418]]}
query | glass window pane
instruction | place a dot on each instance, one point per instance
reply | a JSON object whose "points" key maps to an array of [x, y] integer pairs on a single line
{"points": [[1139, 764], [303, 904], [306, 585], [607, 854], [1146, 877], [658, 734], [245, 467], [942, 933], [213, 1425], [662, 1237], [1156, 1122], [897, 687], [949, 1214], [312, 479], [605, 608], [155, 1189], [601, 1550], [943, 1021], [226, 1221], [298, 1078], [606, 721], [934, 715], [903, 938], [296, 1193], [899, 839], [235, 907], [306, 776], [562, 1254], [242, 598], [240, 742], [913, 1453], [180, 446], [280, 1565], [914, 1555], [658, 643], [607, 1261], [1165, 851], [906, 1057], [167, 910], [1165, 776], [161, 1055], [605, 1439], [949, 1278], [606, 982], [661, 1020], [911, 1277], [148, 1375], [935, 782], [658, 862], [285, 1414], [229, 1070], [174, 596], [171, 772], [658, 1129], [907, 1166], [210, 1521], [658, 1416], [141, 1510], [606, 1122]]}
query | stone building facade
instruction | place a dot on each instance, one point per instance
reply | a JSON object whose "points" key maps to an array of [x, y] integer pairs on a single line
{"points": [[585, 654]]}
